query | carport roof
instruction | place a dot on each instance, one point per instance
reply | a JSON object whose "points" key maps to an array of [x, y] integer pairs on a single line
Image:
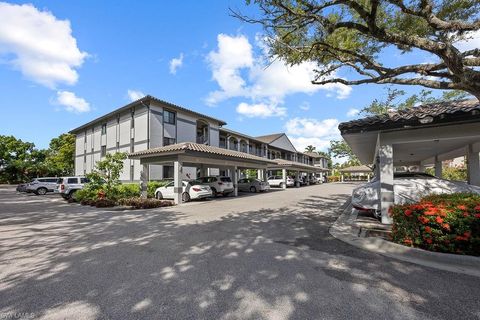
{"points": [[185, 147], [356, 169], [285, 164], [446, 112]]}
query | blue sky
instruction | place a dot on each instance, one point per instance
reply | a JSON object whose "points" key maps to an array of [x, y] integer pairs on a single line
{"points": [[63, 63]]}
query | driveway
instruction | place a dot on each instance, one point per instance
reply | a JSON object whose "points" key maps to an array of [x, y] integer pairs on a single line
{"points": [[267, 256]]}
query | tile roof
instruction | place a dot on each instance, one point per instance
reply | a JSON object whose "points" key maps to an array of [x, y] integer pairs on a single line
{"points": [[141, 101], [270, 137], [362, 168], [296, 165], [312, 154], [433, 113], [196, 147]]}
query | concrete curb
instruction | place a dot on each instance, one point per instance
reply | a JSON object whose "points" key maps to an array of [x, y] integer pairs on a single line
{"points": [[344, 230]]}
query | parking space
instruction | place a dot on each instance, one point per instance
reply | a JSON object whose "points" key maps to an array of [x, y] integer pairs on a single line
{"points": [[257, 256]]}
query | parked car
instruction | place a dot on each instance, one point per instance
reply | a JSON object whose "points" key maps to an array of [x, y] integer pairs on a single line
{"points": [[252, 185], [192, 189], [67, 186], [40, 186], [22, 187], [277, 181], [408, 187], [219, 185]]}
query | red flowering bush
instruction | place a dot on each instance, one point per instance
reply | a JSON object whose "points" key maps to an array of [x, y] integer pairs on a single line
{"points": [[443, 223]]}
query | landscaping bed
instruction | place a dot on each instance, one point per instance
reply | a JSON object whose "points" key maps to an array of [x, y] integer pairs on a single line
{"points": [[443, 223]]}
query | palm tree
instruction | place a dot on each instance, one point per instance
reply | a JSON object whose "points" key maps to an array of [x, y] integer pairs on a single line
{"points": [[310, 148]]}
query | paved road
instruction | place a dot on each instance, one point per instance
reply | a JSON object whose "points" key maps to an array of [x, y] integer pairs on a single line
{"points": [[268, 256]]}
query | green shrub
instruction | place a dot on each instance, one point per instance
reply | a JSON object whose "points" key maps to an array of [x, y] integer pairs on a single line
{"points": [[153, 185], [444, 223], [143, 203], [86, 194], [127, 190]]}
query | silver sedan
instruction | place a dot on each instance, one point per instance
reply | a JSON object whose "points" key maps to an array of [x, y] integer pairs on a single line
{"points": [[252, 185]]}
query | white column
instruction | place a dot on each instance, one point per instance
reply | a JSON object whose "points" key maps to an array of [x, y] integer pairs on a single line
{"points": [[297, 179], [238, 144], [248, 146], [228, 142], [473, 166], [368, 177], [259, 174], [385, 154], [235, 181], [265, 176], [144, 180], [177, 182], [284, 178], [266, 151], [341, 178], [438, 167]]}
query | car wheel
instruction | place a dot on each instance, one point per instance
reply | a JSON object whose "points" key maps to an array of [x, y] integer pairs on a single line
{"points": [[185, 197], [214, 192], [377, 214], [253, 189], [42, 191], [73, 195], [281, 185], [159, 195]]}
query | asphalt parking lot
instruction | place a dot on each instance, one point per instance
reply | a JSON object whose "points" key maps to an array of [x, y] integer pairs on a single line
{"points": [[263, 256]]}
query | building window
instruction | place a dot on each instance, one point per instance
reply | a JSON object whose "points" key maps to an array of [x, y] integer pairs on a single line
{"points": [[132, 119], [104, 128], [167, 172], [132, 145], [168, 117], [103, 151], [168, 141], [132, 172]]}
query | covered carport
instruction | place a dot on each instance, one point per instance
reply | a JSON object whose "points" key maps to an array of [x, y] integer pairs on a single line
{"points": [[421, 136], [297, 167], [189, 154], [358, 173]]}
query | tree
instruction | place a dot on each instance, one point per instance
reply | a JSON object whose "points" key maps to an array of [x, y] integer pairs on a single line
{"points": [[60, 156], [310, 148], [106, 173], [19, 160], [351, 34], [340, 149], [393, 102]]}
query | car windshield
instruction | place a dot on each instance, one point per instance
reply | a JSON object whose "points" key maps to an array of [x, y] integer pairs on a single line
{"points": [[225, 179], [60, 180], [194, 182]]}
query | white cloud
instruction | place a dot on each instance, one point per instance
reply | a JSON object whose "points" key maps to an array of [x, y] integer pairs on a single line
{"points": [[472, 41], [39, 45], [135, 94], [353, 112], [71, 102], [239, 73], [305, 106], [261, 110], [234, 53], [309, 131], [176, 63]]}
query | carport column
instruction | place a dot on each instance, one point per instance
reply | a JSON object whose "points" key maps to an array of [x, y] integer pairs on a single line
{"points": [[177, 182], [438, 168], [297, 179], [264, 175], [385, 155], [144, 180], [473, 166], [235, 181], [284, 178]]}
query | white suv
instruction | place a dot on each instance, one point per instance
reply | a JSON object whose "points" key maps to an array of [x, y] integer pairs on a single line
{"points": [[40, 186], [219, 185], [67, 186], [277, 181]]}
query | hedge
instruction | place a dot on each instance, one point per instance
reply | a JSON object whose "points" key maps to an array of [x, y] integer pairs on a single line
{"points": [[444, 223]]}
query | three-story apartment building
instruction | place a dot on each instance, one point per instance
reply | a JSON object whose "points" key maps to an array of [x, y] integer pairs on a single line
{"points": [[150, 122]]}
